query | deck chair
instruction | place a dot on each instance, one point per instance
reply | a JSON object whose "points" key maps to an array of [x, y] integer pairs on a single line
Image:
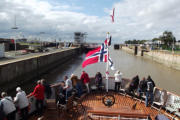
{"points": [[169, 103], [68, 109], [77, 103], [157, 98]]}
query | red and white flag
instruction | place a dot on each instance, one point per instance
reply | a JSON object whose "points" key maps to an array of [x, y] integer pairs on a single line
{"points": [[112, 16], [97, 55]]}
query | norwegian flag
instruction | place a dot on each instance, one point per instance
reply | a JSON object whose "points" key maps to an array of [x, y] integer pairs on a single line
{"points": [[97, 55]]}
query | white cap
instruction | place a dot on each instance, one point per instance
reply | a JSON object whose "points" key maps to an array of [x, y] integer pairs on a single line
{"points": [[18, 89], [72, 75]]}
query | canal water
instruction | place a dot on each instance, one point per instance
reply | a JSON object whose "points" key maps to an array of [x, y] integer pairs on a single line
{"points": [[128, 64]]}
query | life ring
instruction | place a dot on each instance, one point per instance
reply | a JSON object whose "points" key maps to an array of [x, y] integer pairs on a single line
{"points": [[108, 100]]}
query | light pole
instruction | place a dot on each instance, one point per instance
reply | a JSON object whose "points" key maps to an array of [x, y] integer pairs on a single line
{"points": [[15, 28], [40, 39], [85, 35]]}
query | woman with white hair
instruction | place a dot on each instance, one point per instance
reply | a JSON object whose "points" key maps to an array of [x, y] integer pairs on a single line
{"points": [[22, 103], [118, 80]]}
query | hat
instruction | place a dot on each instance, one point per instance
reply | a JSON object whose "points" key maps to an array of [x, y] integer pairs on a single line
{"points": [[18, 89]]}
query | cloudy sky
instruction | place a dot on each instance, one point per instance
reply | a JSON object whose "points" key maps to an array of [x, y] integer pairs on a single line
{"points": [[134, 19]]}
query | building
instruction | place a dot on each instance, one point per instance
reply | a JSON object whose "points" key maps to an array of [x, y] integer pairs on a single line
{"points": [[79, 37]]}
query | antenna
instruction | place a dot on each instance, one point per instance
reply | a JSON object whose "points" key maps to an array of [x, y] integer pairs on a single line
{"points": [[15, 27]]}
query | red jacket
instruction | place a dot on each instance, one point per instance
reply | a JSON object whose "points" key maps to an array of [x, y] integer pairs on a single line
{"points": [[38, 92], [85, 78]]}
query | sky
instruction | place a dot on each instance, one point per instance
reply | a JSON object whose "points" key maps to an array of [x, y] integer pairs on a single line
{"points": [[134, 19]]}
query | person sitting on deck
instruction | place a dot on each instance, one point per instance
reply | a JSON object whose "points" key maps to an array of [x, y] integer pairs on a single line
{"points": [[8, 106], [76, 84], [85, 79], [38, 93], [68, 87], [149, 91], [142, 87], [98, 80], [22, 103], [118, 80], [47, 87], [134, 84]]}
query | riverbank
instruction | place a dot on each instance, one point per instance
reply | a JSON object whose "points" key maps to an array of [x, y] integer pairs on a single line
{"points": [[168, 59], [19, 71]]}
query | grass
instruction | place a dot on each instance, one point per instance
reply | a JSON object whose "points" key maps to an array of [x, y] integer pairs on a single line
{"points": [[23, 43]]}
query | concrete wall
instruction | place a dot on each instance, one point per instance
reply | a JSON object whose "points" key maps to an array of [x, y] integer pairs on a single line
{"points": [[18, 72], [170, 60], [131, 50]]}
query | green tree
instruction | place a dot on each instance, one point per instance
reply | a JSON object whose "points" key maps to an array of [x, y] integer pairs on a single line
{"points": [[168, 38]]}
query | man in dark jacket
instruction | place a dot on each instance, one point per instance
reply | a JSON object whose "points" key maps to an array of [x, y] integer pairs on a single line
{"points": [[142, 87], [149, 91], [134, 84], [47, 87]]}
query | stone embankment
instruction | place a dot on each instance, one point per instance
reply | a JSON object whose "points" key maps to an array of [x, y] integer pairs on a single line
{"points": [[18, 72], [168, 59]]}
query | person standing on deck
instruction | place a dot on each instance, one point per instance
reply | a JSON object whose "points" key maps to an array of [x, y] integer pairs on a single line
{"points": [[142, 87], [47, 87], [8, 106], [38, 93], [76, 84], [85, 79], [22, 103], [149, 91], [2, 115], [134, 84], [98, 78], [118, 80], [68, 87]]}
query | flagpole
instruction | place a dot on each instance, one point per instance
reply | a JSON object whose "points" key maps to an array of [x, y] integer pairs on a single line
{"points": [[107, 65]]}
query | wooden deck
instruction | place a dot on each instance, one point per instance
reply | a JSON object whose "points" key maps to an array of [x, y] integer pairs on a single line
{"points": [[93, 101]]}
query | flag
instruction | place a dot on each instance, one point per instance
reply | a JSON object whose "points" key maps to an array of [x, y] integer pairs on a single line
{"points": [[108, 43], [97, 55], [112, 16], [111, 64]]}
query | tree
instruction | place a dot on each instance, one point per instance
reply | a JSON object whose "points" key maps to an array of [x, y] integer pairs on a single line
{"points": [[168, 38]]}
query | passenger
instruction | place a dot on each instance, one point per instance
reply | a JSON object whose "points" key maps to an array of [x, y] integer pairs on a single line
{"points": [[8, 106], [68, 87], [47, 87], [62, 93], [38, 93], [98, 78], [149, 91], [77, 84], [134, 84], [118, 80], [86, 80], [2, 114], [142, 87], [22, 103]]}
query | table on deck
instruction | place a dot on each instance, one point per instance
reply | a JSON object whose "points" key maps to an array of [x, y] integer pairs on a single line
{"points": [[123, 111]]}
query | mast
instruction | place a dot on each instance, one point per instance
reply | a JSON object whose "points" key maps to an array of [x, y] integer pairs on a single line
{"points": [[107, 64]]}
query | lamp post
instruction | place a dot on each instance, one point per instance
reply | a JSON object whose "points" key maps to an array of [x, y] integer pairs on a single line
{"points": [[40, 39], [15, 28], [85, 35]]}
